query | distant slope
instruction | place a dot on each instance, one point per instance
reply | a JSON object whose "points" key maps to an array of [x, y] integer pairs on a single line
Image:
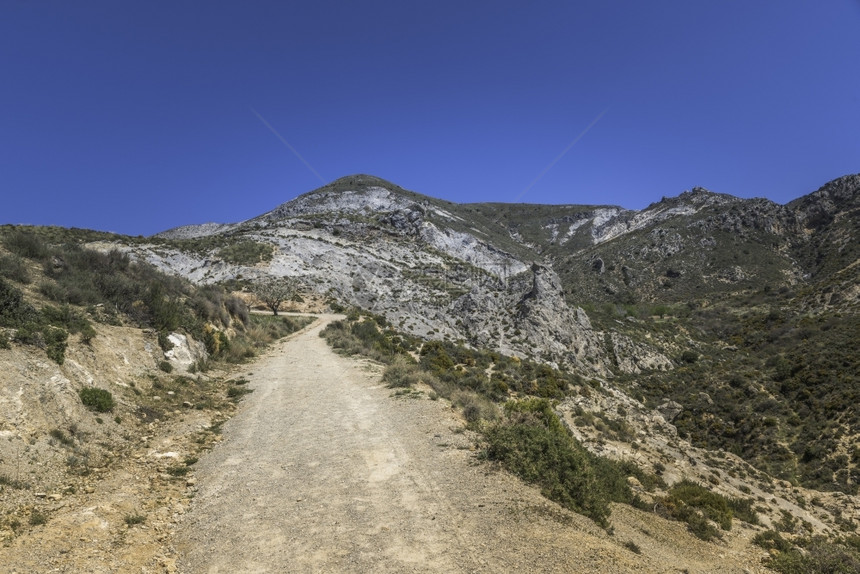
{"points": [[702, 328], [742, 312]]}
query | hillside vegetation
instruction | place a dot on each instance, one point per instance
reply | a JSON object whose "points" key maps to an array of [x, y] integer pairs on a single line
{"points": [[98, 351], [712, 339], [506, 401], [510, 402]]}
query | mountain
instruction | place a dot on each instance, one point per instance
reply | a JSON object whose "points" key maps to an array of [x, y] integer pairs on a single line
{"points": [[431, 267], [746, 286], [705, 337], [464, 271]]}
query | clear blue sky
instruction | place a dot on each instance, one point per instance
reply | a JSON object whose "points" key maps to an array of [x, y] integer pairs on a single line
{"points": [[136, 117]]}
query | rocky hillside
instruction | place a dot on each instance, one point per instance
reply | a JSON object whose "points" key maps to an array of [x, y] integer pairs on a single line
{"points": [[471, 272], [741, 285], [605, 291], [709, 337]]}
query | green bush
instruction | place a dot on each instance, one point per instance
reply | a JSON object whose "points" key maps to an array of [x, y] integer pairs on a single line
{"points": [[742, 509], [88, 333], [30, 334], [696, 505], [818, 556], [98, 400], [435, 358], [26, 244], [164, 342], [208, 304], [14, 312], [113, 287], [772, 540], [365, 337], [167, 313], [61, 319], [246, 252], [533, 444], [14, 268], [31, 325], [475, 407], [64, 316], [402, 372], [82, 276], [241, 349], [237, 309], [55, 344], [217, 343]]}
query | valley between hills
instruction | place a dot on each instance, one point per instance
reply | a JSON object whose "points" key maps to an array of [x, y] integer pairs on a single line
{"points": [[563, 388]]}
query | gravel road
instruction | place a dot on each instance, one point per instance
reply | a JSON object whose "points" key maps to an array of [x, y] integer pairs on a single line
{"points": [[323, 470]]}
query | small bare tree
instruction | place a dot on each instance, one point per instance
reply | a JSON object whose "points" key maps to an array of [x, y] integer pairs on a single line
{"points": [[275, 290]]}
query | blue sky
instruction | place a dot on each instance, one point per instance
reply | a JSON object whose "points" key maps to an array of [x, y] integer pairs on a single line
{"points": [[135, 117]]}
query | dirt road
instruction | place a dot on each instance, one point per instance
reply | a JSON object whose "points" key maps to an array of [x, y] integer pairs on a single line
{"points": [[322, 470]]}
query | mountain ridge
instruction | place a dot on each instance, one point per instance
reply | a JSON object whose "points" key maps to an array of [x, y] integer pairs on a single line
{"points": [[705, 337], [601, 253], [591, 288], [839, 189], [781, 242]]}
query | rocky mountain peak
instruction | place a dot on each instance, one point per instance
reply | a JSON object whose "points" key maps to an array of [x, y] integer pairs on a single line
{"points": [[697, 197], [358, 182], [444, 268], [820, 207], [842, 191], [353, 194]]}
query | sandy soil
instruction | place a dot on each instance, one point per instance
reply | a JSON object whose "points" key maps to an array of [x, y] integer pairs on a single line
{"points": [[324, 470]]}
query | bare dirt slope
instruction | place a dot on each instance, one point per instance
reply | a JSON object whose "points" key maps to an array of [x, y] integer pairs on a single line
{"points": [[322, 470]]}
